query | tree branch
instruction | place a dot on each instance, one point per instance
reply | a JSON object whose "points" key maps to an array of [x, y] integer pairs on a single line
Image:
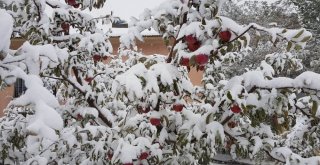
{"points": [[91, 102], [227, 43], [38, 10]]}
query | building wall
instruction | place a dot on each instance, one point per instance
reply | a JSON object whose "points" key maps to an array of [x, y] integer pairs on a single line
{"points": [[6, 94], [151, 45]]}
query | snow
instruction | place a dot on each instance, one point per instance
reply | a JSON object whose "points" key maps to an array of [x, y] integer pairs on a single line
{"points": [[6, 24], [251, 79]]}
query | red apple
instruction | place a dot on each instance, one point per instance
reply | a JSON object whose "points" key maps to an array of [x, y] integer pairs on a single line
{"points": [[110, 155], [202, 59], [76, 5], [201, 67], [225, 36], [88, 79], [155, 121], [192, 42], [184, 61], [232, 124], [96, 58], [177, 107], [235, 108], [194, 47], [65, 27], [143, 155], [79, 117], [147, 109], [71, 2], [191, 39]]}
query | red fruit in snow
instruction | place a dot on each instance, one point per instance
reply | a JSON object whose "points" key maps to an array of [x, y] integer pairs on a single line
{"points": [[192, 42], [194, 47], [184, 61], [155, 121], [232, 124], [201, 67], [76, 5], [190, 39], [235, 109], [79, 117], [71, 2], [65, 27], [88, 79], [110, 155], [96, 58], [202, 59], [177, 107], [143, 155], [225, 36], [146, 110]]}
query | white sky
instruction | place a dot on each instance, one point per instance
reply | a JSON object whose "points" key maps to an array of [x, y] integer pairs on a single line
{"points": [[127, 8]]}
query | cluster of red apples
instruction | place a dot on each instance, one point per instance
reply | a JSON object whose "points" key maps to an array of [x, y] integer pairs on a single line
{"points": [[194, 44], [177, 107]]}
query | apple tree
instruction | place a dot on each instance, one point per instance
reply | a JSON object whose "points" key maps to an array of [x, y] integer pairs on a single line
{"points": [[84, 105]]}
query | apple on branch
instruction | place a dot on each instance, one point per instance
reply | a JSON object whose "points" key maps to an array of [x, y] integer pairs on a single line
{"points": [[184, 61], [96, 58], [144, 155], [177, 107], [202, 59], [192, 42], [73, 3], [225, 36], [235, 108], [155, 121], [65, 27]]}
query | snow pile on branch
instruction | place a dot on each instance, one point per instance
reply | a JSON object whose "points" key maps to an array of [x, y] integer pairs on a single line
{"points": [[6, 24]]}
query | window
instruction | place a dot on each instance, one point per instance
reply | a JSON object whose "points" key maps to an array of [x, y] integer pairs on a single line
{"points": [[19, 88]]}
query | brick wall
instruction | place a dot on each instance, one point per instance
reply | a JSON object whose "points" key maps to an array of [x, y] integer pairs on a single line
{"points": [[155, 44], [6, 94], [151, 45]]}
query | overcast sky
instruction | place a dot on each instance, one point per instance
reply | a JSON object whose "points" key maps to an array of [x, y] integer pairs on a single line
{"points": [[127, 8]]}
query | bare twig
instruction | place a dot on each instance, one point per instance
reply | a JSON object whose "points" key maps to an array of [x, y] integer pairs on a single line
{"points": [[38, 10]]}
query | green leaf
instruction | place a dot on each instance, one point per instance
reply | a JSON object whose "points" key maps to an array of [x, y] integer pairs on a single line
{"points": [[165, 118], [192, 61], [229, 96], [203, 22], [314, 108], [289, 46], [299, 34], [223, 52], [230, 47], [175, 87], [305, 39], [297, 47], [208, 118], [245, 42]]}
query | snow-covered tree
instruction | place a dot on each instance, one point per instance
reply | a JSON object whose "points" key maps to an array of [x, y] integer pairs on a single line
{"points": [[84, 105]]}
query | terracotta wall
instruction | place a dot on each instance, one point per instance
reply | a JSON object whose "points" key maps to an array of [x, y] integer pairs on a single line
{"points": [[6, 94], [151, 45], [155, 45]]}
